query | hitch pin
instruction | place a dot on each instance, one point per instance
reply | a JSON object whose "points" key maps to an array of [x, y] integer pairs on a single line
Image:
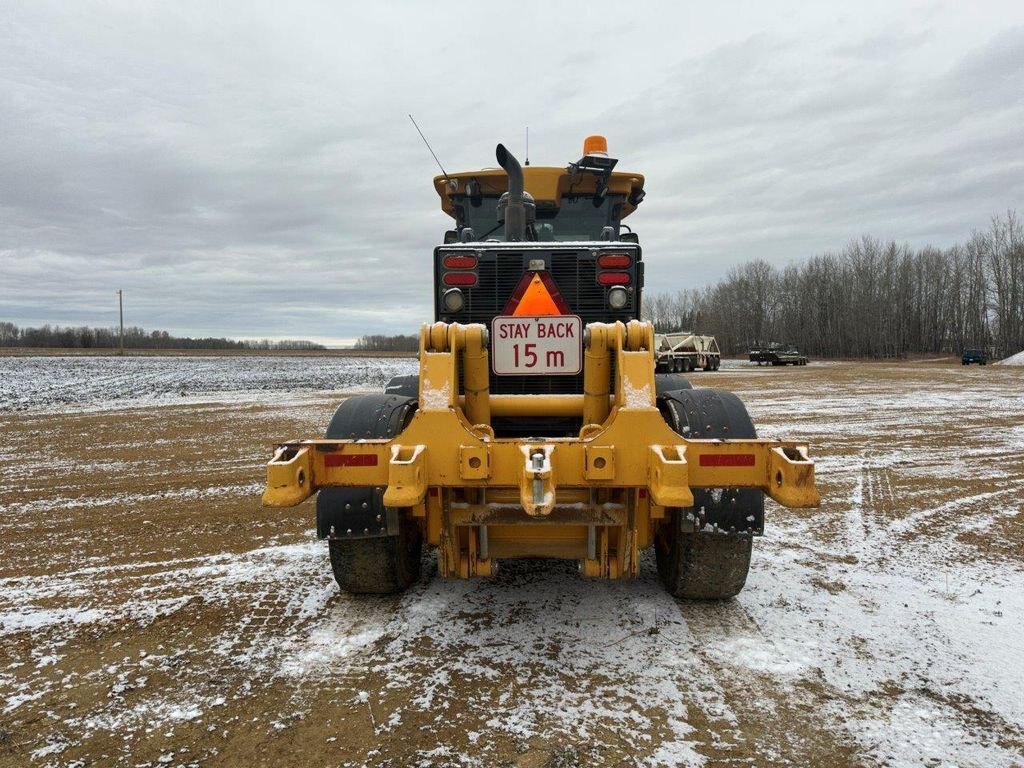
{"points": [[537, 460]]}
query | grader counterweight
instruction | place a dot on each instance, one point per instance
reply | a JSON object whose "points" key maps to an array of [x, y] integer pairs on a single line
{"points": [[537, 426]]}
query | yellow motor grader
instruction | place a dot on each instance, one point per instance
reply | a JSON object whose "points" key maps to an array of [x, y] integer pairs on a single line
{"points": [[537, 426]]}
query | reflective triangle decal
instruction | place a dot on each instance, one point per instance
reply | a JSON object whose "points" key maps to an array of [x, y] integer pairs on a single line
{"points": [[536, 295]]}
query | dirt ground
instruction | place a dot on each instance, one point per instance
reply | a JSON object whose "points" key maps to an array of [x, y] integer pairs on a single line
{"points": [[153, 614]]}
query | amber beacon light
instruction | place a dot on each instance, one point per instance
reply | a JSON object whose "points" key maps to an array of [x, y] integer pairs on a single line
{"points": [[595, 145]]}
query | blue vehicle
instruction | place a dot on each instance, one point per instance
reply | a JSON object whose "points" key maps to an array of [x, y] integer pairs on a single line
{"points": [[974, 356]]}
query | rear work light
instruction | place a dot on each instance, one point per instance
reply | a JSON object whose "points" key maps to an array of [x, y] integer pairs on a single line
{"points": [[614, 261], [614, 278], [618, 298], [459, 278], [453, 300], [459, 262]]}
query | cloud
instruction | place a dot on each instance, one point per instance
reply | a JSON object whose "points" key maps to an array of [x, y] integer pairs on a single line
{"points": [[239, 168]]}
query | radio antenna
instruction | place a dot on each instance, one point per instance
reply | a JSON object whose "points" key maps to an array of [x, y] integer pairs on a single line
{"points": [[527, 146], [443, 171]]}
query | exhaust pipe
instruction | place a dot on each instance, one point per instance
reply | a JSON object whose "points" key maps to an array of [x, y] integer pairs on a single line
{"points": [[515, 208]]}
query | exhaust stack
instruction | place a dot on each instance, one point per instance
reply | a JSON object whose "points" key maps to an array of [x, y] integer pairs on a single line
{"points": [[516, 204]]}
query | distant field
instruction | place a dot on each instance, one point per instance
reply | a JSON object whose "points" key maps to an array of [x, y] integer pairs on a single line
{"points": [[84, 382], [54, 352], [153, 613]]}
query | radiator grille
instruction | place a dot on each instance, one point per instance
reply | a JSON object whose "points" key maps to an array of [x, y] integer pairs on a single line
{"points": [[574, 272]]}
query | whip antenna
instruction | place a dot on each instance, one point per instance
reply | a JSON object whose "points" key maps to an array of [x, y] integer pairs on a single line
{"points": [[443, 171]]}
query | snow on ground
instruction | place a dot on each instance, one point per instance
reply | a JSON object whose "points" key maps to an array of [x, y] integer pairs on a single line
{"points": [[874, 618], [1017, 359], [77, 383], [546, 628]]}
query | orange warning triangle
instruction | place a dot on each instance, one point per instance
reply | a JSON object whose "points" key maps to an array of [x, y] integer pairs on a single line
{"points": [[537, 300], [536, 295]]}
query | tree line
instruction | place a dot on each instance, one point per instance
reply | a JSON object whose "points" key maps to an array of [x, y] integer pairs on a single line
{"points": [[872, 299], [380, 343], [83, 337]]}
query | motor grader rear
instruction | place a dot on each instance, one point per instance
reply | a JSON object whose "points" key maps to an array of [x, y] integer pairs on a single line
{"points": [[537, 426]]}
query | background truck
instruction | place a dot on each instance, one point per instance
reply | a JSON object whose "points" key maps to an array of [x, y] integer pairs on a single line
{"points": [[537, 427], [777, 354], [975, 355], [684, 351]]}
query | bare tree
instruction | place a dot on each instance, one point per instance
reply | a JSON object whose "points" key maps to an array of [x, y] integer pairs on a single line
{"points": [[873, 299], [1005, 249]]}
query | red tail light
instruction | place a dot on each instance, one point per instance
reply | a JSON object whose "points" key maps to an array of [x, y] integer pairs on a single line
{"points": [[459, 262], [614, 261], [459, 278], [613, 278]]}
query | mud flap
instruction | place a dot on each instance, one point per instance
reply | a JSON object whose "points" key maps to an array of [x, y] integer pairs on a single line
{"points": [[714, 414], [353, 513]]}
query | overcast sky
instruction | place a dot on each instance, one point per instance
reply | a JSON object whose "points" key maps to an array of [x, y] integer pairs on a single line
{"points": [[249, 170]]}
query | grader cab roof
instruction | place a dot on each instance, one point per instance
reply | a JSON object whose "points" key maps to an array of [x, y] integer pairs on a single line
{"points": [[549, 186]]}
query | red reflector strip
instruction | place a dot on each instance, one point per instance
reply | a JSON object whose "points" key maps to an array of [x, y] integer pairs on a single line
{"points": [[614, 261], [350, 460], [459, 262], [459, 278], [613, 278], [727, 459]]}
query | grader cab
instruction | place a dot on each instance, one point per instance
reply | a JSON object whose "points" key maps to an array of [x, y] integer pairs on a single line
{"points": [[537, 426]]}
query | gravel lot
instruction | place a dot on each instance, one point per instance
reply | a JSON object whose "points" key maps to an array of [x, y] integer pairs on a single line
{"points": [[152, 613]]}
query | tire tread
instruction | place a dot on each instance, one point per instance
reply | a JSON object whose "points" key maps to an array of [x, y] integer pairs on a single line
{"points": [[704, 566]]}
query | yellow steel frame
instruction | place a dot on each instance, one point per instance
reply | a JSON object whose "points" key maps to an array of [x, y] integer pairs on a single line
{"points": [[597, 497]]}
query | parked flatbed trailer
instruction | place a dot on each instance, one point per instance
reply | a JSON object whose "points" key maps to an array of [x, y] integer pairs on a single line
{"points": [[777, 354]]}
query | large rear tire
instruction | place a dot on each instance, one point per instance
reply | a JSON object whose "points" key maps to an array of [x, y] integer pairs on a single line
{"points": [[378, 566], [703, 552], [703, 565], [368, 563], [404, 386], [669, 382]]}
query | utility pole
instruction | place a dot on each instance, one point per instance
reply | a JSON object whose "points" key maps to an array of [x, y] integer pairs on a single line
{"points": [[120, 312]]}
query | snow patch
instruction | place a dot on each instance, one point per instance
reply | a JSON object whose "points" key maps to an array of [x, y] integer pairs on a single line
{"points": [[435, 399], [1017, 359], [636, 397]]}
